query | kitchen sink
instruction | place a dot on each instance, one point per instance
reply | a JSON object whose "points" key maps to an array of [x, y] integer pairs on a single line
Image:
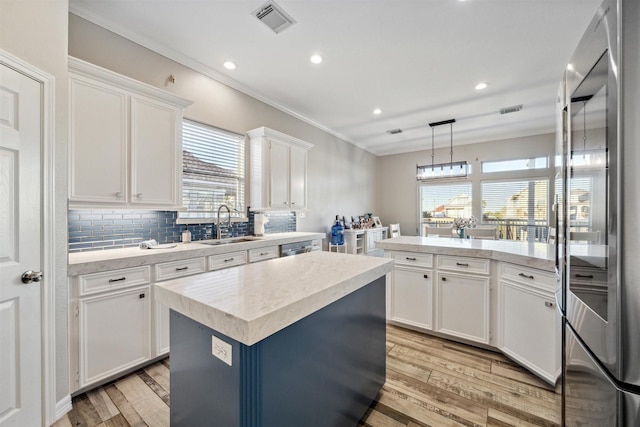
{"points": [[231, 240]]}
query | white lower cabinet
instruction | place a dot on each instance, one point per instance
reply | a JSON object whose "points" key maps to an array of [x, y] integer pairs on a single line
{"points": [[166, 271], [528, 320], [462, 306], [263, 254], [114, 333], [462, 298], [411, 296], [452, 295]]}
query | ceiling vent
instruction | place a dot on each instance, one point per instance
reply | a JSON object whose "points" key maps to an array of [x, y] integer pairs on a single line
{"points": [[394, 131], [513, 109], [274, 17]]}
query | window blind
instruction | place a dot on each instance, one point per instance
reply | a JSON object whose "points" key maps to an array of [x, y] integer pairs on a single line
{"points": [[518, 207], [444, 202], [213, 174]]}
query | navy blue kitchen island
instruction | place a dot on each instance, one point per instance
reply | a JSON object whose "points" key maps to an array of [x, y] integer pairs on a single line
{"points": [[306, 351]]}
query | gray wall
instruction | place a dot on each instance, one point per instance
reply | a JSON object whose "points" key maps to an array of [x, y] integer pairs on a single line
{"points": [[341, 177], [398, 189], [36, 32]]}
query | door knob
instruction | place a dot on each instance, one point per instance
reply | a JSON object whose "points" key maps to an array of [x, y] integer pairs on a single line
{"points": [[31, 276]]}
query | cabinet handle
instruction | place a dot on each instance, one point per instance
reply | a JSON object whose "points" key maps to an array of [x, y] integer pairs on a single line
{"points": [[462, 264], [426, 276], [293, 203], [181, 268], [119, 194], [584, 276], [411, 259], [264, 253], [548, 304], [524, 275], [444, 279], [229, 259], [141, 296], [117, 280], [139, 195]]}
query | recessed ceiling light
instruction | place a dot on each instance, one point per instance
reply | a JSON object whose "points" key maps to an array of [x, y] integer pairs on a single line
{"points": [[230, 65], [482, 85], [316, 59], [377, 111]]}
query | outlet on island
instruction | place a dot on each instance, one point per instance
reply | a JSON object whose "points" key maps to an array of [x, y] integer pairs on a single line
{"points": [[221, 349]]}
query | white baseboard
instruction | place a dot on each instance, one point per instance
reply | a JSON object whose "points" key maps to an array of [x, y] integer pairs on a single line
{"points": [[63, 406]]}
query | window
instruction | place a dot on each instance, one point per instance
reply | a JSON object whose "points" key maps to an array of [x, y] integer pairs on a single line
{"points": [[441, 203], [515, 165], [518, 207], [213, 172]]}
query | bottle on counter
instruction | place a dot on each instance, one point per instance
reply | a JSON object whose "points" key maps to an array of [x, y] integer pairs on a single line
{"points": [[186, 236], [337, 232]]}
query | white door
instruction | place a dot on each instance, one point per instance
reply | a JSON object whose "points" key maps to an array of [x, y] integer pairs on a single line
{"points": [[20, 249]]}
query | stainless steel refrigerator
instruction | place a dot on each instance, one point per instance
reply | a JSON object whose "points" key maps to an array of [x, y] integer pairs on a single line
{"points": [[598, 215]]}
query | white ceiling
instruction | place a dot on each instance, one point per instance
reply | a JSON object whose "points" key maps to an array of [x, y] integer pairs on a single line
{"points": [[417, 60]]}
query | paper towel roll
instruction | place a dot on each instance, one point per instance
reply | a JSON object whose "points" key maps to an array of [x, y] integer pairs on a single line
{"points": [[259, 221]]}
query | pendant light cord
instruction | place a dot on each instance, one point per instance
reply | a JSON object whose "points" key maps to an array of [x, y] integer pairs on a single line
{"points": [[432, 147], [451, 145], [584, 124]]}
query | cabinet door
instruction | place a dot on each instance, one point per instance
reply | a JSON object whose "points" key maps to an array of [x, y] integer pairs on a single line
{"points": [[155, 158], [98, 142], [162, 329], [529, 325], [462, 306], [279, 168], [115, 333], [412, 297], [298, 185]]}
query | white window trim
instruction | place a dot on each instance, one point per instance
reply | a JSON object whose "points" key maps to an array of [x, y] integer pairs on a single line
{"points": [[242, 216]]}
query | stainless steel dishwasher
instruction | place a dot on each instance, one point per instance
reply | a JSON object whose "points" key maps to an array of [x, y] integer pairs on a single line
{"points": [[296, 248]]}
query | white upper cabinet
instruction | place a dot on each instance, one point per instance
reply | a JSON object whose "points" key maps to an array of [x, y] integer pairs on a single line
{"points": [[277, 170], [125, 141], [99, 126]]}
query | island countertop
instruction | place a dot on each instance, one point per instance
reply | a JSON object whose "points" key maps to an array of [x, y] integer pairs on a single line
{"points": [[536, 255], [251, 302]]}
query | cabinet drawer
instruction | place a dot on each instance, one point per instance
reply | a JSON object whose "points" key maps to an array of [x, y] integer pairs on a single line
{"points": [[261, 254], [413, 258], [217, 262], [113, 279], [461, 264], [173, 269], [528, 276], [588, 275]]}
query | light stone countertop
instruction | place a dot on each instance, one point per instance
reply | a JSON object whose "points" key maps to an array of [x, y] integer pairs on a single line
{"points": [[535, 255], [111, 259], [250, 302]]}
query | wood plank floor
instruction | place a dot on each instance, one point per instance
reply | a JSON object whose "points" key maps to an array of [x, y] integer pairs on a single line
{"points": [[430, 382]]}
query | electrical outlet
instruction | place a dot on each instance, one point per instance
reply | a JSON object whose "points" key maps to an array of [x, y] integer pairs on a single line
{"points": [[302, 214], [221, 349]]}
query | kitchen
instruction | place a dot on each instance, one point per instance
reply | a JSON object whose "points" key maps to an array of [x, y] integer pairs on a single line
{"points": [[334, 185]]}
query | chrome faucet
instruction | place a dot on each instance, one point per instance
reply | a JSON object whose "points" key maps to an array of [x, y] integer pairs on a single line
{"points": [[218, 225]]}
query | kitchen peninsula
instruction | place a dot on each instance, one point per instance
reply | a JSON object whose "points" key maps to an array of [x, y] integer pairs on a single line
{"points": [[492, 293], [291, 341]]}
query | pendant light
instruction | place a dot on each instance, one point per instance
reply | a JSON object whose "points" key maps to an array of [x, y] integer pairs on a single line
{"points": [[447, 170]]}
